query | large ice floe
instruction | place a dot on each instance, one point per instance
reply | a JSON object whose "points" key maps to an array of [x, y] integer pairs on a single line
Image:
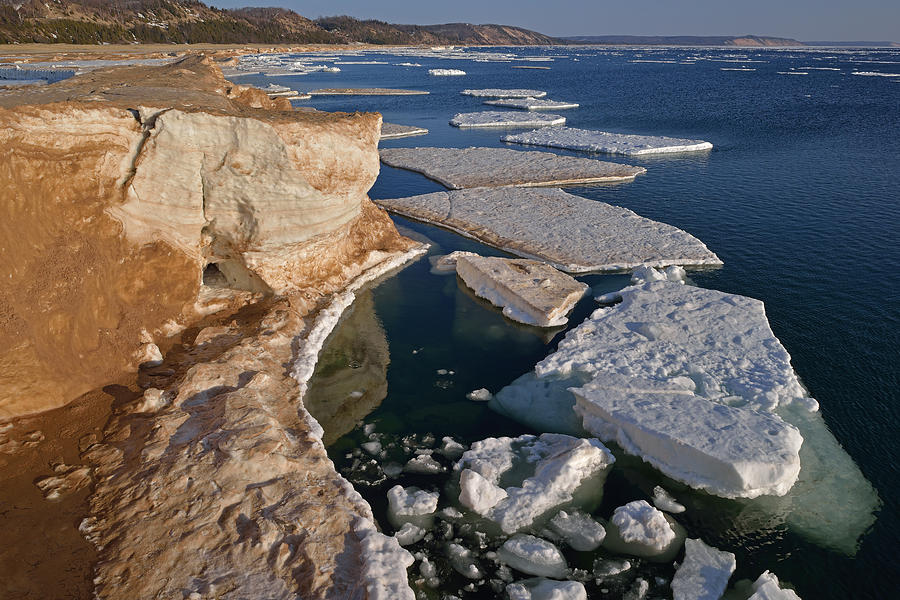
{"points": [[458, 168], [528, 291], [505, 118], [695, 383], [570, 138], [521, 482], [504, 93], [531, 104], [574, 234], [391, 131], [704, 572]]}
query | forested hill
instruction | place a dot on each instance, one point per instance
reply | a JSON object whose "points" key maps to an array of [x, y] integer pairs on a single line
{"points": [[188, 21]]}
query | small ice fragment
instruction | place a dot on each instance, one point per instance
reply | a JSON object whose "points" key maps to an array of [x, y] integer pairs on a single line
{"points": [[411, 505], [441, 371], [534, 556], [578, 530], [704, 573], [766, 587], [451, 448], [463, 562], [409, 534], [479, 395], [638, 590], [640, 529], [664, 501], [446, 263], [540, 588], [372, 448], [604, 568], [392, 469], [369, 428], [423, 464], [446, 72]]}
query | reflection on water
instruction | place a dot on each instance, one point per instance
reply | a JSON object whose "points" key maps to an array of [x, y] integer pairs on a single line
{"points": [[350, 379]]}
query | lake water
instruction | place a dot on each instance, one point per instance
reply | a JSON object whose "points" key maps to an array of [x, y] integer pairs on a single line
{"points": [[801, 200]]}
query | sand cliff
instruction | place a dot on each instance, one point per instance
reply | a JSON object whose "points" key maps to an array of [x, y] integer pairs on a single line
{"points": [[149, 207]]}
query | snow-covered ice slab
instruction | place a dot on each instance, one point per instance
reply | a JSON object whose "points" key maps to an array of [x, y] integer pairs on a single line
{"points": [[504, 118], [704, 572], [531, 104], [570, 138], [366, 92], [766, 587], [541, 475], [391, 131], [504, 93], [446, 72], [642, 530], [458, 168], [540, 588], [574, 234], [528, 291]]}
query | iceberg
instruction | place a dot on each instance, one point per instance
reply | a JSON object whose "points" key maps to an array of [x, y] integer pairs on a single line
{"points": [[503, 118], [704, 572], [570, 138], [528, 291], [531, 104], [458, 168], [501, 93], [539, 475], [571, 233]]}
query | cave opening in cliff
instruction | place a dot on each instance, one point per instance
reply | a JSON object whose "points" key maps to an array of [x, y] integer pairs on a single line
{"points": [[213, 277]]}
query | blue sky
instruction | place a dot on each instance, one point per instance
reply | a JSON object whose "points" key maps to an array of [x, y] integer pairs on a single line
{"points": [[800, 19]]}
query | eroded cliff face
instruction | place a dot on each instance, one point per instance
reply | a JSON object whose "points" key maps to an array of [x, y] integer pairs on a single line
{"points": [[120, 187], [162, 206]]}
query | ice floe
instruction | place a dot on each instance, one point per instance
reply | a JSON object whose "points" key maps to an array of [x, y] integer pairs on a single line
{"points": [[528, 291], [570, 138], [532, 104], [704, 572], [446, 72], [540, 588], [411, 505], [641, 530], [391, 131], [458, 168], [875, 74], [557, 467], [767, 587], [663, 500], [501, 93], [366, 92], [578, 529], [534, 556], [504, 118]]}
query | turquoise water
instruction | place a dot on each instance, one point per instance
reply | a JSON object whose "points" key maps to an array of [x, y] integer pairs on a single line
{"points": [[801, 200]]}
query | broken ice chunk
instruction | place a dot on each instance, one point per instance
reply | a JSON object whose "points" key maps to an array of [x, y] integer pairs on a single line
{"points": [[766, 587], [664, 501], [539, 588], [504, 118], [477, 493], [424, 465], [409, 534], [479, 395], [704, 573], [534, 556], [463, 562], [579, 530], [641, 530], [411, 505]]}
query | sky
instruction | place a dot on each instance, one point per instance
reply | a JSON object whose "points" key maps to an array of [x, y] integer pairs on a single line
{"points": [[835, 20]]}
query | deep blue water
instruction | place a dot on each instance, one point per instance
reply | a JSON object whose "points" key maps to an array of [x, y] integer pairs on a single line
{"points": [[800, 198]]}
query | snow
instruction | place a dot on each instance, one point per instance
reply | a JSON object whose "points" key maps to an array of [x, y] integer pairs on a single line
{"points": [[688, 379], [458, 168], [446, 72], [571, 233], [704, 572], [570, 138], [539, 588], [555, 467], [533, 556], [391, 131], [579, 530], [498, 118], [664, 501], [766, 587], [411, 505], [531, 104], [528, 291], [640, 529], [501, 93]]}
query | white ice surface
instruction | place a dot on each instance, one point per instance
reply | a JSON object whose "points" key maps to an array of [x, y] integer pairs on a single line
{"points": [[390, 131], [570, 138], [766, 587], [411, 505], [479, 494], [704, 572], [504, 93], [578, 529], [533, 556], [384, 564], [641, 525], [552, 468], [498, 118], [528, 291], [540, 588], [531, 104], [409, 534], [664, 501], [446, 72], [463, 562]]}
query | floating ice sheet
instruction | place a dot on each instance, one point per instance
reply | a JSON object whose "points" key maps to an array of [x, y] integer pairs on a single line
{"points": [[503, 118], [391, 131], [528, 291], [366, 92], [504, 93], [531, 104], [573, 234], [458, 168], [570, 138], [446, 72]]}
